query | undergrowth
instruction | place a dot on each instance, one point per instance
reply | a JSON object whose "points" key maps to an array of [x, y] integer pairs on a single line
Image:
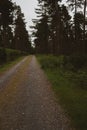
{"points": [[9, 64], [69, 81], [7, 55]]}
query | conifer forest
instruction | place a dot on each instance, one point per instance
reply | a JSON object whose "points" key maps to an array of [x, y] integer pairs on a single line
{"points": [[56, 43], [60, 27]]}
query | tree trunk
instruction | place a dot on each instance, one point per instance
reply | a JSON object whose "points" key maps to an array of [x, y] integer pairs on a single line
{"points": [[85, 3], [75, 20], [58, 30]]}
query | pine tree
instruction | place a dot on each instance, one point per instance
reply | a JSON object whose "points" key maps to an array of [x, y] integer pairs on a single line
{"points": [[21, 38], [42, 30], [84, 26], [6, 18], [77, 5]]}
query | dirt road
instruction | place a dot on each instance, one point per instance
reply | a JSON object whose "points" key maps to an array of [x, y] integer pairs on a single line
{"points": [[27, 101]]}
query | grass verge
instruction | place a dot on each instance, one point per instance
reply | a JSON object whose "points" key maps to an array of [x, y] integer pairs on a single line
{"points": [[72, 97], [9, 64]]}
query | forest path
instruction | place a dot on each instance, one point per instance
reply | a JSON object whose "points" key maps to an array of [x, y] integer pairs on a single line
{"points": [[27, 101]]}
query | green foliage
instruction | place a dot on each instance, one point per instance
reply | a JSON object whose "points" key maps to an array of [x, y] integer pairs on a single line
{"points": [[79, 78], [21, 37], [13, 33], [12, 54], [73, 63], [6, 8], [49, 62], [77, 62], [70, 87], [5, 67], [9, 55], [72, 67], [41, 32], [52, 62], [3, 55]]}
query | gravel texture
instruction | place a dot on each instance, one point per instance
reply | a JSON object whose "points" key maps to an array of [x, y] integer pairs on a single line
{"points": [[27, 101]]}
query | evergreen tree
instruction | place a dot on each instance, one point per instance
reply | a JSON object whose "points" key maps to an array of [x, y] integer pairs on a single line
{"points": [[21, 38], [75, 5], [42, 30], [54, 24], [6, 19], [8, 37], [84, 27], [64, 35]]}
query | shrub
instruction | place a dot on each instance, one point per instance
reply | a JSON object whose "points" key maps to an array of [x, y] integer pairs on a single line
{"points": [[77, 62], [9, 55], [49, 62], [3, 55], [81, 79], [12, 54], [70, 66]]}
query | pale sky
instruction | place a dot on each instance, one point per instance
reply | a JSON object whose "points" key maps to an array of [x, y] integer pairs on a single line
{"points": [[28, 8]]}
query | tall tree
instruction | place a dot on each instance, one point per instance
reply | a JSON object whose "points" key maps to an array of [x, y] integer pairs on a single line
{"points": [[56, 26], [54, 23], [21, 38], [66, 34], [42, 29], [84, 28], [75, 4], [6, 17]]}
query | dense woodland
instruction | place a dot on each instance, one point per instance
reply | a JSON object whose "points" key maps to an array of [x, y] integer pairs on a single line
{"points": [[13, 33], [59, 32], [55, 31], [60, 28]]}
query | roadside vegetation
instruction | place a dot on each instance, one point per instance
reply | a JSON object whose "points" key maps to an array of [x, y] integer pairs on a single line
{"points": [[68, 75], [14, 38], [8, 65], [9, 57]]}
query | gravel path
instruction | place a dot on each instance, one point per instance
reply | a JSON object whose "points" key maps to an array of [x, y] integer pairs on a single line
{"points": [[27, 101], [9, 73]]}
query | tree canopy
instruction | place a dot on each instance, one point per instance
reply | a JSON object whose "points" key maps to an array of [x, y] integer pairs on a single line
{"points": [[13, 33], [56, 31]]}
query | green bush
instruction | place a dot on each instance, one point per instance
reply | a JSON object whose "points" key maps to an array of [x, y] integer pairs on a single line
{"points": [[49, 62], [73, 63], [9, 55], [81, 79], [3, 55], [70, 67], [52, 62], [70, 86], [12, 54], [77, 62]]}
